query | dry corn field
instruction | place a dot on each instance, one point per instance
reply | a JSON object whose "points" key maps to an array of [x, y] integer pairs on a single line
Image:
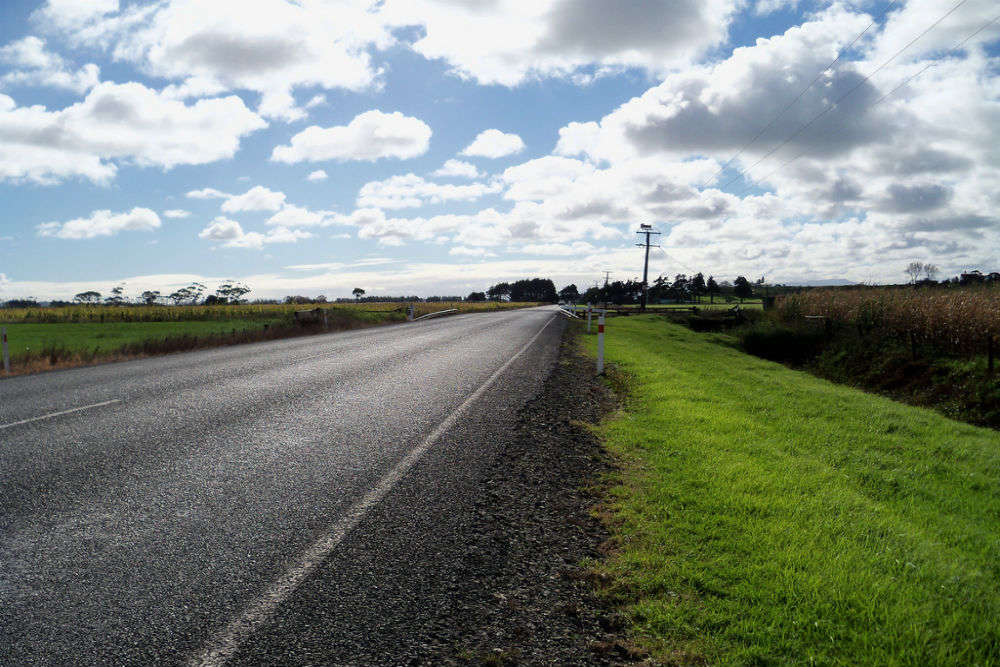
{"points": [[959, 320]]}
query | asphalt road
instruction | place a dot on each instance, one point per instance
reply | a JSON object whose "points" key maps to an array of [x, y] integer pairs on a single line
{"points": [[171, 510]]}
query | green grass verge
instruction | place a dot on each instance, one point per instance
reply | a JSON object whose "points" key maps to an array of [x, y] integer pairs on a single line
{"points": [[766, 517], [111, 336]]}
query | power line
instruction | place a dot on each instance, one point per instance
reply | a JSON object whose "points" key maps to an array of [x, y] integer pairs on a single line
{"points": [[878, 101], [840, 99], [788, 106]]}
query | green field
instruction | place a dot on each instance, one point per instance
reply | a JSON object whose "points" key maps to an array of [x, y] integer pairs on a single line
{"points": [[44, 338], [763, 516], [111, 336]]}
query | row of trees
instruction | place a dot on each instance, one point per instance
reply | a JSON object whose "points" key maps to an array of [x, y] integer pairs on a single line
{"points": [[681, 288], [930, 271], [230, 292]]}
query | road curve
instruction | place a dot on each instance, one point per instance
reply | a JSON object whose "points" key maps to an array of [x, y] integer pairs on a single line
{"points": [[146, 507]]}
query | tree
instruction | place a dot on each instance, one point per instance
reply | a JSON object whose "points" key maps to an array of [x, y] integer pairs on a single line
{"points": [[89, 297], [930, 271], [476, 296], [150, 297], [742, 288], [569, 293], [180, 296], [713, 289], [698, 286], [358, 293], [232, 291], [914, 269], [498, 292]]}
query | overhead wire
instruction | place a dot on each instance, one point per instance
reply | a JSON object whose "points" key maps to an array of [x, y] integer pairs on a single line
{"points": [[840, 99], [878, 101], [819, 75]]}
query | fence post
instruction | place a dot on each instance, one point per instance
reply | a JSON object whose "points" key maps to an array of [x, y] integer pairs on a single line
{"points": [[600, 344], [6, 352], [990, 342]]}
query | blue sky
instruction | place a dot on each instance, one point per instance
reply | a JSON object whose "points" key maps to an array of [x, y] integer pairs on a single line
{"points": [[157, 143]]}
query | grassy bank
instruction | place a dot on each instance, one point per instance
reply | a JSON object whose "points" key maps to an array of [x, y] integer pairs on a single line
{"points": [[764, 516]]}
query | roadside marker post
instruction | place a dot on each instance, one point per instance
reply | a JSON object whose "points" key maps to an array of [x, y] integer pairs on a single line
{"points": [[589, 308], [6, 352], [409, 313], [600, 344]]}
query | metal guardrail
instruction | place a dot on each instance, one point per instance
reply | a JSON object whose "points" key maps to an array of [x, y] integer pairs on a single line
{"points": [[435, 314]]}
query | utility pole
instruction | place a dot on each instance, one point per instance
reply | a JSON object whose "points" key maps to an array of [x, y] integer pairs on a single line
{"points": [[647, 230]]}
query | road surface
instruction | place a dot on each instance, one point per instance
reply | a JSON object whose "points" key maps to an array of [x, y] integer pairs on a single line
{"points": [[172, 510]]}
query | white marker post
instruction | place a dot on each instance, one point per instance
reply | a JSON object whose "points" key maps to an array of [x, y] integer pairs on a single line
{"points": [[6, 352], [600, 344], [409, 313], [589, 308]]}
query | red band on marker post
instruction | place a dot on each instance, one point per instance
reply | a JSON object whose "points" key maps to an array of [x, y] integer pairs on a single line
{"points": [[600, 328]]}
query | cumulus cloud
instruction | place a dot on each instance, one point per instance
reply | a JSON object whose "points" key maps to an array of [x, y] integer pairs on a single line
{"points": [[411, 191], [102, 223], [510, 41], [318, 175], [208, 193], [219, 46], [494, 144], [370, 136], [118, 122], [176, 213], [231, 234], [32, 64], [257, 198], [297, 216], [457, 169]]}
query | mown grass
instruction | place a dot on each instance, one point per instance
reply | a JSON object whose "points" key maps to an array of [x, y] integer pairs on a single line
{"points": [[763, 516]]}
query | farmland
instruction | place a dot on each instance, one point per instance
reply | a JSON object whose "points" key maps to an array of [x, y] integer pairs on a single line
{"points": [[949, 320], [765, 516], [43, 338]]}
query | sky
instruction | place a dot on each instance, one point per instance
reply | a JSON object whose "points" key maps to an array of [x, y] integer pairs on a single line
{"points": [[440, 146]]}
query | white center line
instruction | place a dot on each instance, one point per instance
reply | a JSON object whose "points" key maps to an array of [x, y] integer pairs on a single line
{"points": [[57, 414], [225, 644]]}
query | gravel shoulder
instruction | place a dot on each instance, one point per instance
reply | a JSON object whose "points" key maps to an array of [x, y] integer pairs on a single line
{"points": [[489, 571]]}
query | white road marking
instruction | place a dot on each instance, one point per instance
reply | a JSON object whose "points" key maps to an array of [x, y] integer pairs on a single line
{"points": [[58, 414], [228, 641]]}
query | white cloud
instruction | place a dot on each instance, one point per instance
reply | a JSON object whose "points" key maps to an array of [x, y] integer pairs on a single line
{"points": [[511, 41], [318, 175], [457, 169], [118, 122], [33, 64], [102, 223], [411, 191], [72, 15], [257, 198], [232, 235], [208, 193], [370, 136], [463, 251], [213, 47], [297, 216], [176, 213], [316, 101], [494, 144]]}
